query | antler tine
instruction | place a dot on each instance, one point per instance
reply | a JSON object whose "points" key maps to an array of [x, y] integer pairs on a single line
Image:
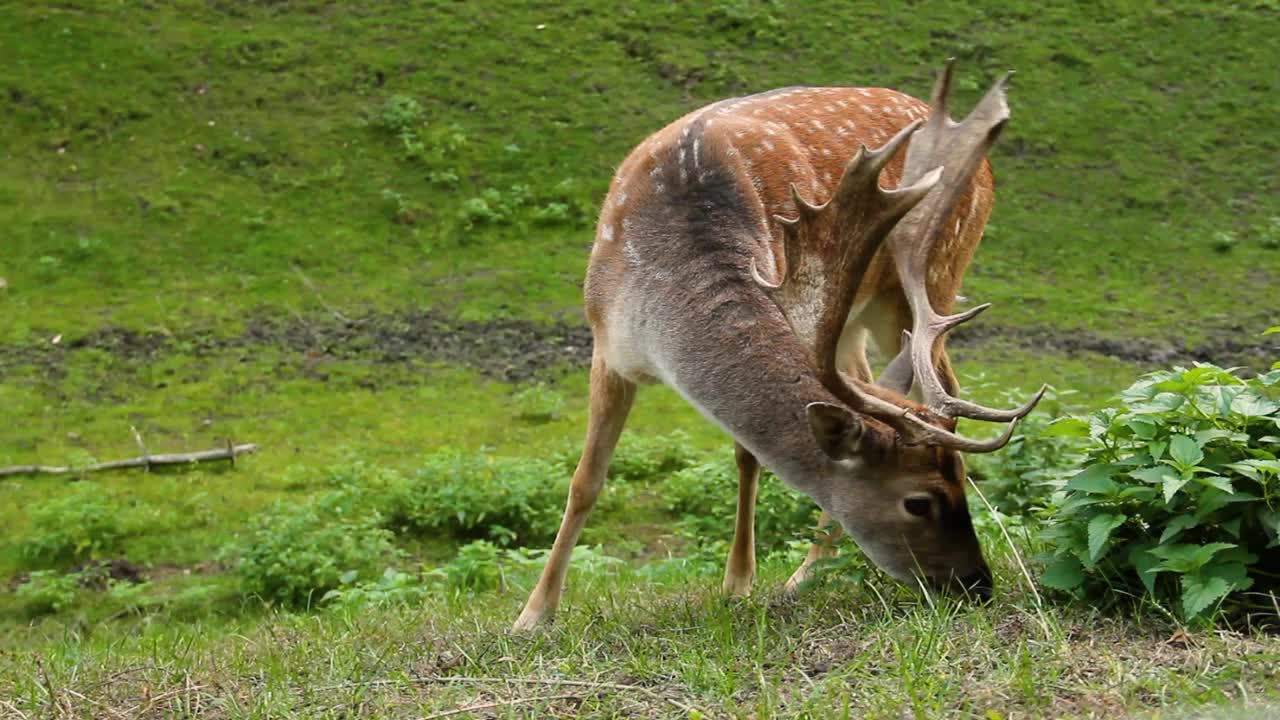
{"points": [[959, 149], [941, 95], [934, 435]]}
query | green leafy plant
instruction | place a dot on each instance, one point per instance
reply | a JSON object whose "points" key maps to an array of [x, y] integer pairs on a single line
{"points": [[393, 587], [509, 501], [537, 403], [48, 591], [553, 213], [1223, 241], [1180, 497], [475, 567], [80, 526], [705, 498], [1270, 234], [400, 114], [494, 206], [1040, 457], [295, 554], [132, 597], [404, 210], [641, 458]]}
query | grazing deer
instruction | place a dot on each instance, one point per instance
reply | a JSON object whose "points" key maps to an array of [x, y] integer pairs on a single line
{"points": [[712, 272]]}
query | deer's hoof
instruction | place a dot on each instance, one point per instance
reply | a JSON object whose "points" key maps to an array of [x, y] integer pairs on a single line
{"points": [[530, 619], [737, 586]]}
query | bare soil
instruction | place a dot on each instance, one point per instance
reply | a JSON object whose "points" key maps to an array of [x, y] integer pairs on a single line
{"points": [[518, 350], [1225, 348]]}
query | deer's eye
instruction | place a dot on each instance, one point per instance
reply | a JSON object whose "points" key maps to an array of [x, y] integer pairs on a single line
{"points": [[918, 506]]}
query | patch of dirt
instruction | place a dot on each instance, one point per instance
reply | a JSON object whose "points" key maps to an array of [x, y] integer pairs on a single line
{"points": [[1225, 348], [96, 574], [511, 350], [518, 350]]}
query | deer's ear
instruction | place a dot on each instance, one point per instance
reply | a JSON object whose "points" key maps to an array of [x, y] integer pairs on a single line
{"points": [[837, 430], [899, 374]]}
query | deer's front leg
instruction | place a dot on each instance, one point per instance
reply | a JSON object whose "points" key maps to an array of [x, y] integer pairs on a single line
{"points": [[611, 397], [740, 569]]}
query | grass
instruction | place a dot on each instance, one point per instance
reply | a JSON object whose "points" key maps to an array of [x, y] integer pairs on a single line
{"points": [[177, 181], [640, 647], [192, 193]]}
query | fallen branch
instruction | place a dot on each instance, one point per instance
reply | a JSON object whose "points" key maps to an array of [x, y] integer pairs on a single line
{"points": [[446, 679], [500, 703], [145, 461]]}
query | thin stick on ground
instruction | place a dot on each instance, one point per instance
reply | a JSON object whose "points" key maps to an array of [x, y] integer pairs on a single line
{"points": [[146, 461], [512, 681], [500, 703]]}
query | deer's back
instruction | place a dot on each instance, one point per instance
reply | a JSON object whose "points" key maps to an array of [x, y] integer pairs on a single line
{"points": [[692, 204]]}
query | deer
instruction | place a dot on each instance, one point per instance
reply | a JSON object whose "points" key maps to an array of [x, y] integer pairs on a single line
{"points": [[744, 260]]}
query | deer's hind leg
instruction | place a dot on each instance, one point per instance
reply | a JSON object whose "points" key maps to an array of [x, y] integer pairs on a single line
{"points": [[740, 568], [611, 398]]}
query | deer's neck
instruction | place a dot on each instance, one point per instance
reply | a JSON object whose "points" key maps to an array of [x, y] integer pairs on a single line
{"points": [[760, 402], [736, 360]]}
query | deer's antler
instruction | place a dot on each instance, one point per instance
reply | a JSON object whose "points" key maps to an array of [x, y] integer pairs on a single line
{"points": [[827, 248], [957, 148], [826, 251]]}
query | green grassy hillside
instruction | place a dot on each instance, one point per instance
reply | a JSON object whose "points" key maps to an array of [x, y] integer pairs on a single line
{"points": [[358, 231]]}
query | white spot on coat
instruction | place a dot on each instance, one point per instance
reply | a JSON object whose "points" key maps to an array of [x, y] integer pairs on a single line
{"points": [[606, 233]]}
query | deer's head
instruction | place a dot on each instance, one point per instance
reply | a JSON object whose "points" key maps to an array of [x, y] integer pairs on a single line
{"points": [[894, 475]]}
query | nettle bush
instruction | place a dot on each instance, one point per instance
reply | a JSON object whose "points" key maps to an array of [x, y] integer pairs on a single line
{"points": [[1180, 497], [509, 501], [48, 591], [640, 458], [295, 554], [705, 496], [85, 525], [1021, 479]]}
